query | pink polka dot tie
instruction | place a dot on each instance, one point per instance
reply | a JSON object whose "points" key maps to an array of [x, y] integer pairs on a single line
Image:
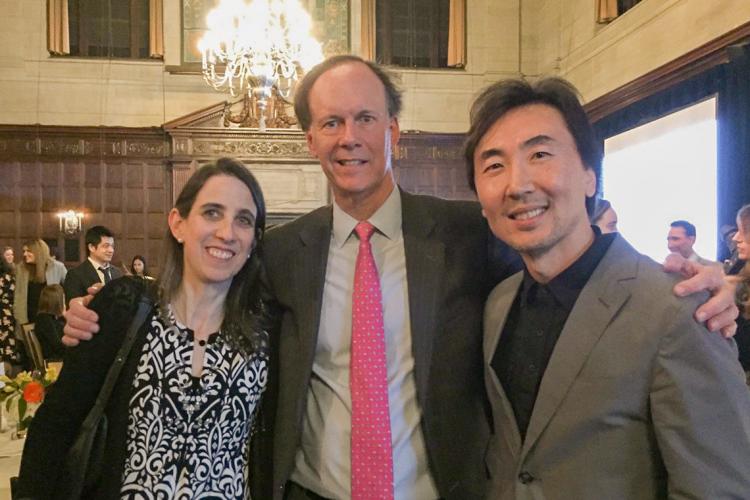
{"points": [[372, 457]]}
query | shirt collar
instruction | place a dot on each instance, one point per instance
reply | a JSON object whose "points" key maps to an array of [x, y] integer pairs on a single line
{"points": [[387, 220], [566, 286], [97, 265]]}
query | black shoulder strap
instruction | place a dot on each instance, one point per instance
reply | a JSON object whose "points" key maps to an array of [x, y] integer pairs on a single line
{"points": [[92, 419]]}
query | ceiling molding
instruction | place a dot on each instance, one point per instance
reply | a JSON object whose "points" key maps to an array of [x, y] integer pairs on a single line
{"points": [[686, 66]]}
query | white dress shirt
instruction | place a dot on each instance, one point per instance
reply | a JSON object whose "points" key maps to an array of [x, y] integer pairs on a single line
{"points": [[323, 461]]}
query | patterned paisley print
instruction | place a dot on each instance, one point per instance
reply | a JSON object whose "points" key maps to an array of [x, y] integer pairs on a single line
{"points": [[8, 348], [188, 436]]}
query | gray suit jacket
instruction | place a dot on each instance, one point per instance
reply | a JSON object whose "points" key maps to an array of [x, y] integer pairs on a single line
{"points": [[446, 259], [638, 400]]}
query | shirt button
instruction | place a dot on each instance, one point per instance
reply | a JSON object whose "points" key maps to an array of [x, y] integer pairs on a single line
{"points": [[525, 477]]}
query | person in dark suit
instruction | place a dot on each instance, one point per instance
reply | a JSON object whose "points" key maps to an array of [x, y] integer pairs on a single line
{"points": [[431, 256], [97, 268], [601, 383]]}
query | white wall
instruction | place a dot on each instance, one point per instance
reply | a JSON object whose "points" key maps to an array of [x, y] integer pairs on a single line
{"points": [[37, 88], [565, 39]]}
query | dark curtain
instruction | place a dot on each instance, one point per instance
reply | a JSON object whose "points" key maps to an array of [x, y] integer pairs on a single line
{"points": [[731, 83], [734, 135], [625, 5]]}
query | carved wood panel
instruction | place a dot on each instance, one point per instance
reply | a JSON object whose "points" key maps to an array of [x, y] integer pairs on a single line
{"points": [[433, 164], [116, 177]]}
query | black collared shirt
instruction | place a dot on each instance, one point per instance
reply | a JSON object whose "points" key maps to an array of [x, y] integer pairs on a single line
{"points": [[534, 324]]}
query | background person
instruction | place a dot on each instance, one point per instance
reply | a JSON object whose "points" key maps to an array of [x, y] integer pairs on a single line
{"points": [[604, 216], [742, 240], [49, 323], [97, 268], [138, 267], [9, 257], [9, 353], [179, 419], [680, 240], [35, 272]]}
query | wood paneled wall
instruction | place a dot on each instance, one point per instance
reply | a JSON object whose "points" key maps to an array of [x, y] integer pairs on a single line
{"points": [[432, 164], [122, 178], [116, 177]]}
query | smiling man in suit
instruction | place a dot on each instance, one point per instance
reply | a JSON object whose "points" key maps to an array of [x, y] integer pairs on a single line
{"points": [[97, 268], [601, 383], [431, 259]]}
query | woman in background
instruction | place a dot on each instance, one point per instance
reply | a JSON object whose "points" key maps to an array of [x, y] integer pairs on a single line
{"points": [[138, 267], [179, 418], [9, 257], [49, 323], [742, 239], [9, 354], [35, 272], [604, 217]]}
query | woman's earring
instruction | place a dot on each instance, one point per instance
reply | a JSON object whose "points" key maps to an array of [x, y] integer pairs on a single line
{"points": [[180, 241]]}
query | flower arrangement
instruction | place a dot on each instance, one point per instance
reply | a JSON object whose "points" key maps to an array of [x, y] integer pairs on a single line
{"points": [[25, 392]]}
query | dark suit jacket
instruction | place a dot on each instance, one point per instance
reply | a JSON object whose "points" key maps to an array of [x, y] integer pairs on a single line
{"points": [[446, 247], [83, 276], [638, 401]]}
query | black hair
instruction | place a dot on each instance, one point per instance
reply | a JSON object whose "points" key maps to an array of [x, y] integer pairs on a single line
{"points": [[506, 95], [94, 236], [688, 227]]}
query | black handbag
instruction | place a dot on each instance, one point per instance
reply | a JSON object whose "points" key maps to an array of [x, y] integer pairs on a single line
{"points": [[82, 465]]}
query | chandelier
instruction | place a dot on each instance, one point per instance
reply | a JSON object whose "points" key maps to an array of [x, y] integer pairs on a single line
{"points": [[252, 48], [70, 222]]}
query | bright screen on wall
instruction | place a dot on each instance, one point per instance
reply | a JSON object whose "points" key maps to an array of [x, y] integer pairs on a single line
{"points": [[663, 171]]}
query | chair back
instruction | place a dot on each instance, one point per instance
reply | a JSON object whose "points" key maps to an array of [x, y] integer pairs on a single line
{"points": [[33, 347]]}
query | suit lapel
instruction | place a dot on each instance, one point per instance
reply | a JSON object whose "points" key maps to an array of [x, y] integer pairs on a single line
{"points": [[93, 275], [425, 261], [598, 303], [495, 315], [310, 270]]}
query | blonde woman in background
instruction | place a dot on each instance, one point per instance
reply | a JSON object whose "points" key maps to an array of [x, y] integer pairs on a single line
{"points": [[36, 271], [742, 239]]}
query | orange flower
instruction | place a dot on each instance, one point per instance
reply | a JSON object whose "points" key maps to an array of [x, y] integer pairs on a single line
{"points": [[33, 392]]}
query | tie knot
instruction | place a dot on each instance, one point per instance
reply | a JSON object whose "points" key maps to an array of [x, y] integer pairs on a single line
{"points": [[102, 269], [364, 230]]}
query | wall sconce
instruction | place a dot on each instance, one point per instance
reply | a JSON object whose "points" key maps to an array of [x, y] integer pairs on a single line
{"points": [[70, 222]]}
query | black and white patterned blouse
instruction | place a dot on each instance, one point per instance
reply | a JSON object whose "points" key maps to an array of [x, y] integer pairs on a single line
{"points": [[187, 436], [8, 347]]}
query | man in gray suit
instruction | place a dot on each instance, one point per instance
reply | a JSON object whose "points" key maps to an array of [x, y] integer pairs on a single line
{"points": [[601, 383]]}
